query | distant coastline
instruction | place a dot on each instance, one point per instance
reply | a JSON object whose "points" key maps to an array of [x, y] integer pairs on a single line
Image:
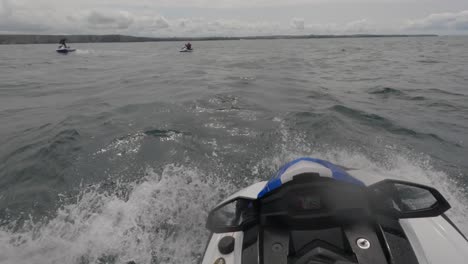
{"points": [[52, 39]]}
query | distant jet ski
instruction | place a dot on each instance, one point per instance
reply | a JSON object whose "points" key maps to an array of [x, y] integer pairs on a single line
{"points": [[313, 211], [64, 48], [187, 47]]}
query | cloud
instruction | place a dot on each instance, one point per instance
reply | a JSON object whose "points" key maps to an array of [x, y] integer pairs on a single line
{"points": [[119, 20], [182, 23], [160, 22], [144, 18], [155, 4], [13, 20], [359, 26], [457, 21], [6, 9], [298, 23], [221, 27]]}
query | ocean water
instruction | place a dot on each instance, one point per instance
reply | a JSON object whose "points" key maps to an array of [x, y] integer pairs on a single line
{"points": [[117, 152]]}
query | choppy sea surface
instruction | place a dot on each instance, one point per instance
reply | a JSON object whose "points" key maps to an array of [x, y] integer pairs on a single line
{"points": [[118, 151]]}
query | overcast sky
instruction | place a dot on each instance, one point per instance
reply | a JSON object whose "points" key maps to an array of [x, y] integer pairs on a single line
{"points": [[233, 17]]}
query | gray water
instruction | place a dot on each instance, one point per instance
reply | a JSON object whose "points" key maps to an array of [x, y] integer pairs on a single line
{"points": [[117, 152]]}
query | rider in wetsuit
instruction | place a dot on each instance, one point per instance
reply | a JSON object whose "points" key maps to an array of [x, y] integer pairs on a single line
{"points": [[63, 43]]}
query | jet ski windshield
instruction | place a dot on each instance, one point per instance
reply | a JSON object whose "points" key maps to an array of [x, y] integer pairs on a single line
{"points": [[318, 220]]}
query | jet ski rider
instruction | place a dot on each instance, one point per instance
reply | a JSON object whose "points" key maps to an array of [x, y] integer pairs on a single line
{"points": [[63, 43]]}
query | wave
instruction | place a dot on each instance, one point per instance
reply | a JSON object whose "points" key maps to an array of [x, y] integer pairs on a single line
{"points": [[166, 135], [385, 91], [32, 172], [429, 61], [444, 105], [440, 91], [62, 143], [163, 133], [418, 98], [126, 145], [374, 120]]}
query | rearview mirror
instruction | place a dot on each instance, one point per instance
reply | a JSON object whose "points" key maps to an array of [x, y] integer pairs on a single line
{"points": [[402, 199], [232, 216]]}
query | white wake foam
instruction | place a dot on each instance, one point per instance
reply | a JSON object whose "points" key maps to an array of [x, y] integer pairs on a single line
{"points": [[161, 221], [84, 51]]}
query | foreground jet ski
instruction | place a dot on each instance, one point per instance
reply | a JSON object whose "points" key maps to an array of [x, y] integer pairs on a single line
{"points": [[314, 212]]}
